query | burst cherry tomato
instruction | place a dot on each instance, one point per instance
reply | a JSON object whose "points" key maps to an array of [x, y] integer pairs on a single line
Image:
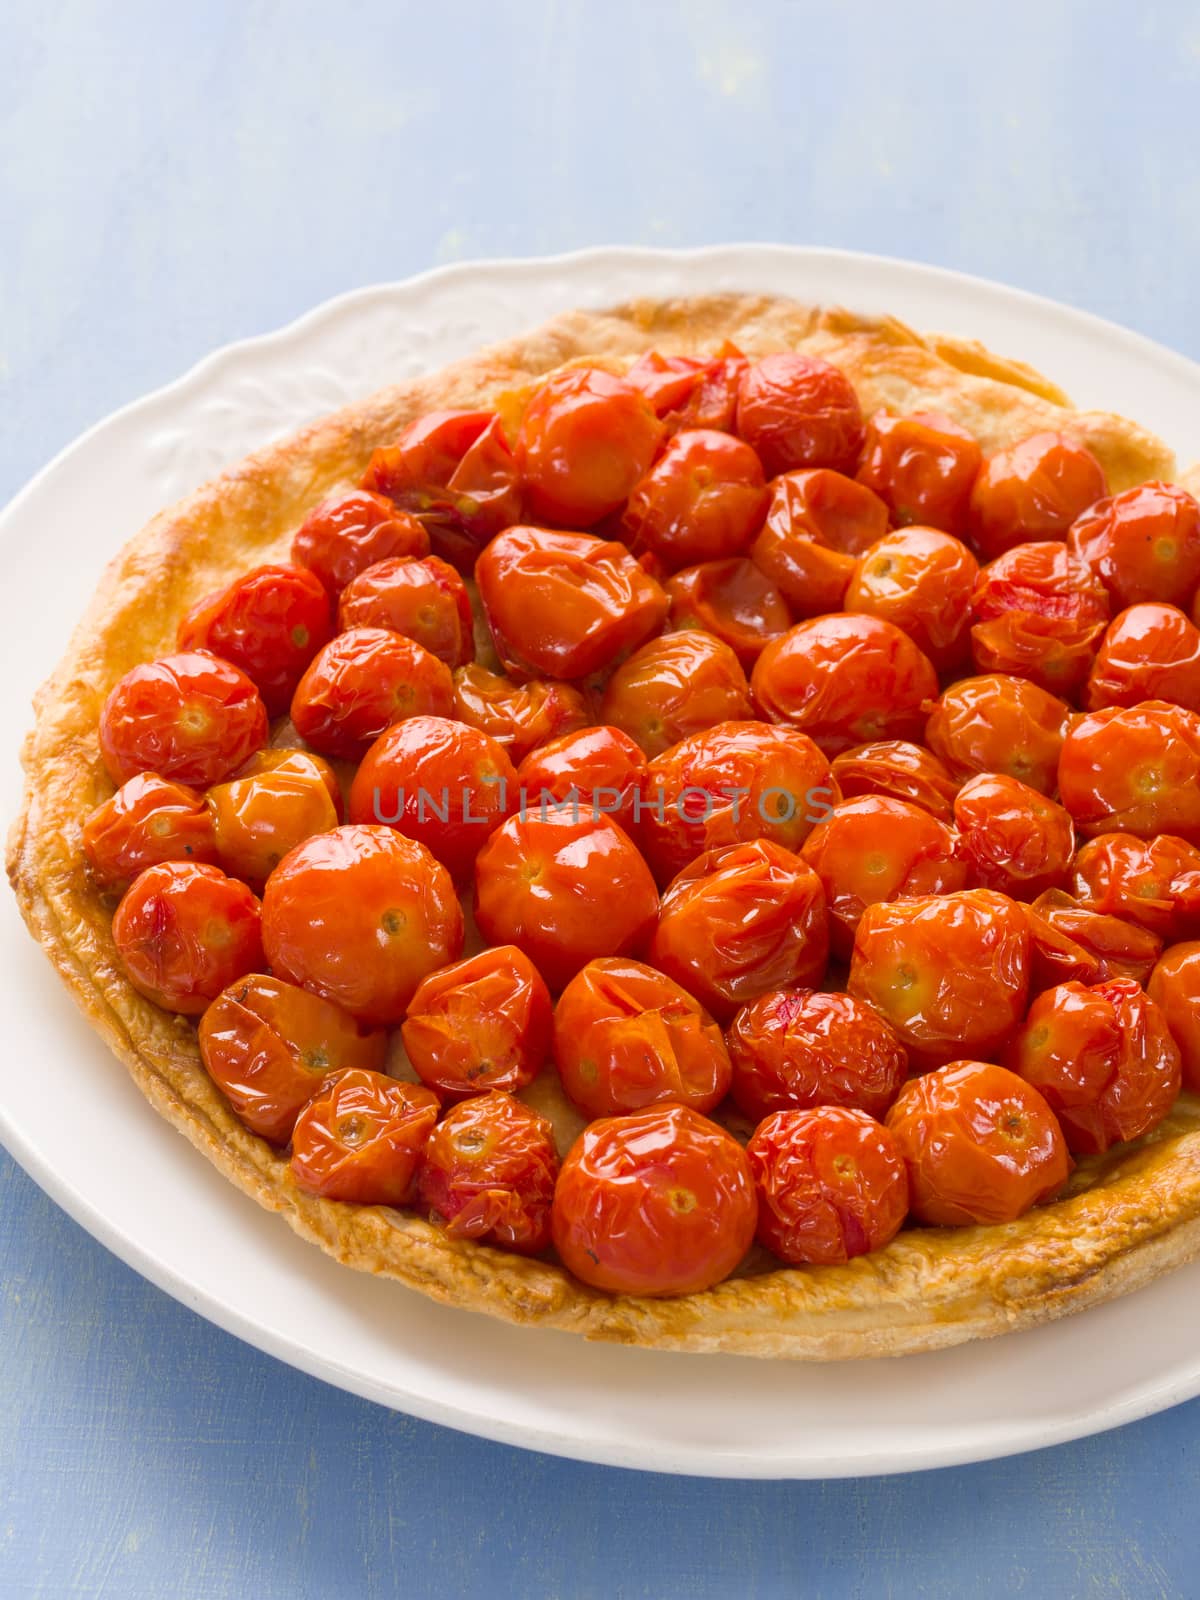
{"points": [[733, 600], [674, 686], [1032, 490], [702, 500], [1075, 943], [421, 597], [361, 1138], [1012, 838], [363, 682], [346, 535], [1143, 544], [184, 931], [258, 817], [521, 717], [921, 581], [481, 1024], [1150, 652], [818, 524], [899, 770], [488, 1173], [601, 765], [799, 411], [586, 439], [1153, 882], [1000, 724], [1039, 613], [1174, 987], [1134, 770], [690, 393], [923, 466], [191, 717], [148, 820], [269, 623]]}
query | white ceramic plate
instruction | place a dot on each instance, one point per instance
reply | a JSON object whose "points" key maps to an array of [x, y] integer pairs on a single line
{"points": [[72, 1117]]}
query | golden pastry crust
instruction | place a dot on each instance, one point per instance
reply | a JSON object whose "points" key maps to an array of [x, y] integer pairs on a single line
{"points": [[1126, 1218]]}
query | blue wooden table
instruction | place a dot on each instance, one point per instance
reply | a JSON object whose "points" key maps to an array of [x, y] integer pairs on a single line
{"points": [[172, 178]]}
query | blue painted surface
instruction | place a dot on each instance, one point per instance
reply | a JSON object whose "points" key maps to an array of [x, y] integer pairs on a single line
{"points": [[172, 178]]}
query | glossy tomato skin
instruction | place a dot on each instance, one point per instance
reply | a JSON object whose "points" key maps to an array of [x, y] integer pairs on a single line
{"points": [[674, 686], [351, 532], [1174, 986], [1033, 490], [481, 1024], [1143, 544], [520, 716], [702, 500], [1012, 838], [269, 623], [586, 439], [360, 915], [923, 467], [948, 972], [799, 411], [1134, 770], [793, 1049], [189, 716], [488, 1173], [439, 782], [292, 760], [660, 1202], [1075, 943], [149, 819], [421, 597], [900, 771], [361, 1138], [564, 891], [602, 765], [845, 680], [626, 1036], [362, 682], [921, 581], [980, 1144], [818, 524], [997, 723], [733, 600], [1153, 882], [270, 1046], [1040, 613], [874, 849], [1149, 652], [742, 919], [258, 817], [184, 931], [687, 392], [831, 1185]]}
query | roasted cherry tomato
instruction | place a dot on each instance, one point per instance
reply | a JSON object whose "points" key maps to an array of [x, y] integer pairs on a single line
{"points": [[269, 1047], [520, 716], [1032, 490], [702, 500], [602, 766], [1011, 837], [831, 1185], [818, 524], [899, 770], [1174, 987], [454, 472], [1153, 882], [346, 535], [269, 622], [948, 972], [844, 680], [258, 817], [657, 1203], [488, 1173], [285, 758], [923, 467], [798, 1048], [564, 890], [191, 717], [626, 1036], [360, 915], [586, 439], [690, 393], [184, 931], [363, 682], [361, 1138], [1150, 652], [921, 581], [1000, 724], [674, 686], [740, 920], [440, 782], [1134, 770], [980, 1144], [565, 604], [1039, 612], [1073, 943], [421, 597], [799, 411], [876, 848], [734, 600], [483, 1023], [1143, 544], [148, 820]]}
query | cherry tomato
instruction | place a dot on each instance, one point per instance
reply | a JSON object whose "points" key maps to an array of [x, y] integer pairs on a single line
{"points": [[900, 771], [269, 1047], [793, 1049], [923, 466], [818, 523], [1134, 770], [363, 682], [488, 1173], [1032, 490], [351, 532], [360, 915], [876, 848], [1074, 943], [980, 1144], [563, 890], [921, 581], [1039, 613], [421, 597], [799, 411], [733, 600], [184, 931], [1153, 882], [521, 717], [690, 393], [657, 1203], [740, 920], [191, 717], [481, 1024], [1000, 724], [258, 818], [361, 1138], [276, 758], [831, 1185], [702, 500], [1143, 544], [148, 820], [1150, 652], [269, 623], [1011, 837], [601, 765], [674, 686], [1174, 986], [626, 1036], [844, 680], [948, 972], [586, 439]]}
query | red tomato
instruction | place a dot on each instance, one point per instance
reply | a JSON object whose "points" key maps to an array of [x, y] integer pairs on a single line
{"points": [[269, 623], [361, 1138], [258, 817], [488, 1173], [626, 1037], [422, 598], [191, 717], [818, 524], [521, 717], [1134, 770], [1011, 837], [702, 500], [831, 1185], [1150, 652], [1153, 882], [921, 581], [346, 535], [690, 393], [481, 1024], [1074, 943], [1039, 613], [900, 771], [148, 820], [1033, 490], [1143, 544], [733, 600], [269, 1047], [586, 439], [674, 686], [363, 682], [601, 765], [360, 915], [1000, 724], [1174, 987], [923, 466], [980, 1144], [184, 931], [657, 1203], [798, 411]]}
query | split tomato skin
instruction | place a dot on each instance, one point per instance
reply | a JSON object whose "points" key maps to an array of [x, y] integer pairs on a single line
{"points": [[702, 500], [520, 716], [1033, 490], [818, 523], [733, 600], [1143, 544], [189, 716], [361, 1138], [799, 411], [897, 770], [362, 682], [1012, 838], [997, 723], [347, 534], [1174, 986], [184, 931], [482, 1024], [674, 686], [1074, 943], [921, 581], [149, 820], [1039, 613], [488, 1173], [421, 597], [257, 817], [923, 466], [1154, 883], [687, 392], [1133, 770], [1149, 652], [602, 765]]}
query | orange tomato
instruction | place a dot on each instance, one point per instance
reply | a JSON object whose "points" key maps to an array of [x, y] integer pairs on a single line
{"points": [[481, 1024], [361, 1138]]}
